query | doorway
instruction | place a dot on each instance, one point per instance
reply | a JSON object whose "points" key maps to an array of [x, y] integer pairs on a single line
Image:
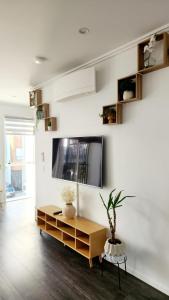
{"points": [[19, 160]]}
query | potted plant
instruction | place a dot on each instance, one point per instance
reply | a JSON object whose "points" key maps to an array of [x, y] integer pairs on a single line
{"points": [[39, 115], [113, 246], [128, 88], [68, 197], [49, 125], [109, 115]]}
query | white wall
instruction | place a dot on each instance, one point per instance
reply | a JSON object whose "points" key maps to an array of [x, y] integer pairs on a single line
{"points": [[137, 160], [14, 111]]}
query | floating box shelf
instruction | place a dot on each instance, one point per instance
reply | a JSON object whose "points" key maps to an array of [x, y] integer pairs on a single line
{"points": [[135, 81], [52, 121], [161, 47], [35, 98], [43, 111], [112, 114]]}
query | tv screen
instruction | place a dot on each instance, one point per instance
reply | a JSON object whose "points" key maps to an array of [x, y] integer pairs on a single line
{"points": [[78, 159]]}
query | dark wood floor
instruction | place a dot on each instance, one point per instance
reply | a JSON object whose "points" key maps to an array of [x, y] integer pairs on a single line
{"points": [[34, 267]]}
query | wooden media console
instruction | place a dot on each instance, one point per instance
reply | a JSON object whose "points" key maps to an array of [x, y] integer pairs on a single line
{"points": [[80, 234]]}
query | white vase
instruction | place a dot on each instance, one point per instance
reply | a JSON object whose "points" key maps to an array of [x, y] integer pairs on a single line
{"points": [[114, 249], [49, 128], [69, 211], [128, 95]]}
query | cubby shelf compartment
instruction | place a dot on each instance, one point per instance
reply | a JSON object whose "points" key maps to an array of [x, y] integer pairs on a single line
{"points": [[162, 39], [50, 220], [68, 240], [134, 82], [56, 233], [66, 228], [52, 121], [113, 110], [35, 98], [82, 248], [83, 237], [41, 223], [41, 215], [42, 111]]}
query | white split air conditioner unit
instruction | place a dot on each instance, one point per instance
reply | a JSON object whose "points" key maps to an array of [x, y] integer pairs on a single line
{"points": [[75, 84]]}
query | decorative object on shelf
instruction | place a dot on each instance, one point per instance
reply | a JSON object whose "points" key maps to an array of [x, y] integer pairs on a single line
{"points": [[149, 60], [113, 246], [130, 88], [153, 53], [68, 196], [42, 111], [35, 98], [39, 116], [127, 95], [112, 114], [127, 88], [49, 125]]}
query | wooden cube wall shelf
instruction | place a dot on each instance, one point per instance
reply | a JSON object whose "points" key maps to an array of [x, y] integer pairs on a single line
{"points": [[135, 81], [43, 110], [52, 121], [35, 98], [164, 38], [112, 114]]}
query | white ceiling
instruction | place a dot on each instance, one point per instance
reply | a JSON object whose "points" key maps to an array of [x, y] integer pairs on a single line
{"points": [[50, 28]]}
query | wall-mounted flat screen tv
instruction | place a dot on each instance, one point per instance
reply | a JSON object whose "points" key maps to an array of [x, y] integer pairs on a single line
{"points": [[78, 159]]}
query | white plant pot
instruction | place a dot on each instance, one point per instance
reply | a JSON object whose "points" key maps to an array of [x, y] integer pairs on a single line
{"points": [[69, 211], [49, 128], [128, 95], [114, 249]]}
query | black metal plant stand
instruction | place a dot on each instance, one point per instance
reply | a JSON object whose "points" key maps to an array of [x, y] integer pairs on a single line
{"points": [[118, 260]]}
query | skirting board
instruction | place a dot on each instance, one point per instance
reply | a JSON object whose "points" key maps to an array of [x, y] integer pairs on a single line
{"points": [[148, 280]]}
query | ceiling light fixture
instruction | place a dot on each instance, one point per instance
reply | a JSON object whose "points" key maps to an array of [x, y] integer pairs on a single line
{"points": [[84, 30], [39, 59]]}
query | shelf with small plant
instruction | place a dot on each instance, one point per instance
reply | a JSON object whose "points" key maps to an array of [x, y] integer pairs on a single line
{"points": [[50, 124], [35, 98], [153, 53], [130, 88], [112, 114], [42, 111]]}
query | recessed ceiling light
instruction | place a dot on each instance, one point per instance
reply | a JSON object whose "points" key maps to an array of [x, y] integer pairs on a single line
{"points": [[84, 30], [39, 59]]}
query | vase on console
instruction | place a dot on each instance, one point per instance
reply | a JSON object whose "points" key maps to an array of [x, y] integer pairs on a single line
{"points": [[69, 211]]}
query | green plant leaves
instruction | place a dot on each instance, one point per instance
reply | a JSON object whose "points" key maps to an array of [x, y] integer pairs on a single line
{"points": [[110, 202], [117, 197], [113, 203], [103, 201]]}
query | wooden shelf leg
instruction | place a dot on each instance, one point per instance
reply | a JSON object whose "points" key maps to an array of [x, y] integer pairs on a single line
{"points": [[90, 263], [40, 231]]}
